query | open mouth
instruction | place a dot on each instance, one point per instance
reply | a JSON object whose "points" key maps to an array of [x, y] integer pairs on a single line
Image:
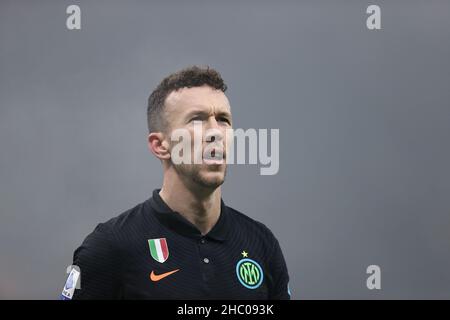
{"points": [[216, 156]]}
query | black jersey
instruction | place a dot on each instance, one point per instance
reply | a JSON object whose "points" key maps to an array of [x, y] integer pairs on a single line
{"points": [[152, 252]]}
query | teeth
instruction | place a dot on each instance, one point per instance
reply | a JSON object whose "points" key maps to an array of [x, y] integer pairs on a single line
{"points": [[217, 157], [213, 155]]}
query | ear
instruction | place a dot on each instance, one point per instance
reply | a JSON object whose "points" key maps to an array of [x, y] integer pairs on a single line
{"points": [[158, 145]]}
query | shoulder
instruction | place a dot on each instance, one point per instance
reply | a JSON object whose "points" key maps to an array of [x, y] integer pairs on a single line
{"points": [[107, 236], [124, 222], [100, 257]]}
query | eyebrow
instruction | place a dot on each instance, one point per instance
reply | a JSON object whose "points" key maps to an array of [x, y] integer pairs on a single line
{"points": [[203, 112]]}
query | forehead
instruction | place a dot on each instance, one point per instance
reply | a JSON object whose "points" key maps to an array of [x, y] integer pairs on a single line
{"points": [[202, 98]]}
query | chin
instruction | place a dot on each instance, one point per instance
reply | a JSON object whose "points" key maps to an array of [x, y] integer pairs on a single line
{"points": [[211, 179]]}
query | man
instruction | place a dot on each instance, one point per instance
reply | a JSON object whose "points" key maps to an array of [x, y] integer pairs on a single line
{"points": [[183, 242]]}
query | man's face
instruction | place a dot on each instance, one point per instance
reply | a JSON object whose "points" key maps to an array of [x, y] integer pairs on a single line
{"points": [[207, 109]]}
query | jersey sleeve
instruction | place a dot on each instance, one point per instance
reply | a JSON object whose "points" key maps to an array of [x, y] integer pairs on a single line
{"points": [[279, 289], [98, 262]]}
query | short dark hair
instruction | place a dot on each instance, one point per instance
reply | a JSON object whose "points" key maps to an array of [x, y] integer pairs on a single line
{"points": [[194, 76]]}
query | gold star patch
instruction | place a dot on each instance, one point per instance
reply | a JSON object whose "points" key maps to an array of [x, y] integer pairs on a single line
{"points": [[244, 254]]}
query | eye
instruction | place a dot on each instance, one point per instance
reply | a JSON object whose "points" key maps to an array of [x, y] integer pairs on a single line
{"points": [[223, 119], [196, 118]]}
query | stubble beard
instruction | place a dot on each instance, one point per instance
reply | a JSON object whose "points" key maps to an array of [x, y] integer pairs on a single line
{"points": [[191, 173]]}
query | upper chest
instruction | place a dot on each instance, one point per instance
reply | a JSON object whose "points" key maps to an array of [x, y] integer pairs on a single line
{"points": [[164, 266]]}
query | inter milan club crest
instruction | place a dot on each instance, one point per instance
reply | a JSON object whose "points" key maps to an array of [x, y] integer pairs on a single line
{"points": [[249, 272], [159, 249]]}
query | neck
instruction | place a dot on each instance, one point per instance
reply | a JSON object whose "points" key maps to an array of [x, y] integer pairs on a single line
{"points": [[199, 205]]}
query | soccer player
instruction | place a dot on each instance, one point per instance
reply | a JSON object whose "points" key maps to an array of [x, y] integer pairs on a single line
{"points": [[183, 242]]}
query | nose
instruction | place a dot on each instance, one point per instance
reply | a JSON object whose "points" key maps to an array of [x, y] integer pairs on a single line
{"points": [[212, 123], [213, 131]]}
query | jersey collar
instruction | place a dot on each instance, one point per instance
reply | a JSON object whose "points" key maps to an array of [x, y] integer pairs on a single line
{"points": [[176, 222]]}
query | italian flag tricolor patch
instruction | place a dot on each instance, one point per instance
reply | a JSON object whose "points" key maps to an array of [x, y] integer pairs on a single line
{"points": [[159, 249]]}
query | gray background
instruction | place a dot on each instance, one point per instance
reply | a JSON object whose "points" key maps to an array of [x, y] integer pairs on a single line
{"points": [[364, 119]]}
